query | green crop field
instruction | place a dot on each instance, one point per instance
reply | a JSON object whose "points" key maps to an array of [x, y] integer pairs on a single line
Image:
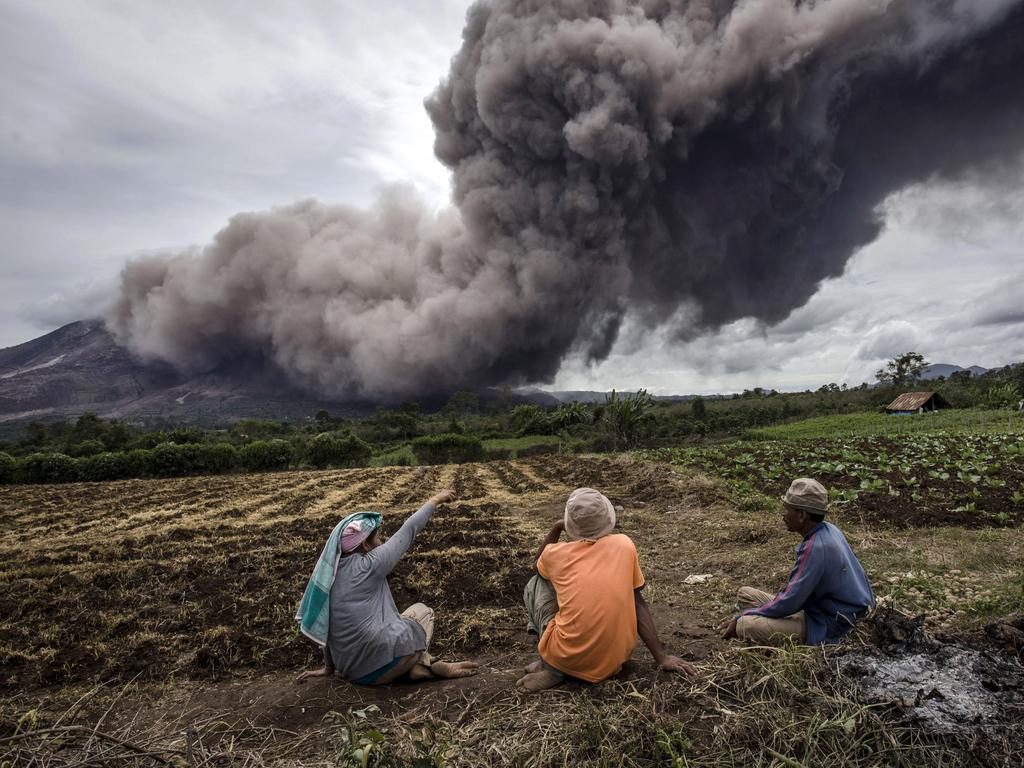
{"points": [[949, 468], [955, 421]]}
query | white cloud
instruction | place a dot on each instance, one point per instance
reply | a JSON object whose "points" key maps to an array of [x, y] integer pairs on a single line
{"points": [[132, 126], [1003, 305], [84, 300], [888, 340]]}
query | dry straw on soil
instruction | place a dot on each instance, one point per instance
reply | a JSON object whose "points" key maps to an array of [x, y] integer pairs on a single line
{"points": [[149, 623]]}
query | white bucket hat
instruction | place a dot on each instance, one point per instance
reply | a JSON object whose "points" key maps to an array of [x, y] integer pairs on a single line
{"points": [[589, 515]]}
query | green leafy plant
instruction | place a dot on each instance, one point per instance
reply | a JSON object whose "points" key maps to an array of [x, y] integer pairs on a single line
{"points": [[624, 416], [447, 449], [7, 468], [329, 450], [48, 468], [266, 455]]}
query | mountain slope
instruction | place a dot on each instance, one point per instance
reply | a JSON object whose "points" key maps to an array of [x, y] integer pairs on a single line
{"points": [[935, 370], [79, 367], [74, 367]]}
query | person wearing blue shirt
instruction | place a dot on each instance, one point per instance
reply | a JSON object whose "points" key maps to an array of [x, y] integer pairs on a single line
{"points": [[827, 591]]}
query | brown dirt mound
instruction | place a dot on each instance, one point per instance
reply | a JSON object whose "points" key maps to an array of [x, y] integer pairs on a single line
{"points": [[467, 484], [514, 479]]}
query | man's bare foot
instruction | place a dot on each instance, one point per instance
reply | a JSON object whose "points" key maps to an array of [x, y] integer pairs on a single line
{"points": [[535, 666], [540, 681], [450, 669]]}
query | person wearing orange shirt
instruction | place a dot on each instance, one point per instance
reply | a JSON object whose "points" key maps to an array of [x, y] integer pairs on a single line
{"points": [[585, 602]]}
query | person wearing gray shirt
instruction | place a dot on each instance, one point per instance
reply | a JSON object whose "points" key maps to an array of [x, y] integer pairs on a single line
{"points": [[369, 642]]}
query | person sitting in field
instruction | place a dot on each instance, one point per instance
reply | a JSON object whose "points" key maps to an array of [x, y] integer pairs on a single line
{"points": [[585, 602], [827, 591], [348, 609]]}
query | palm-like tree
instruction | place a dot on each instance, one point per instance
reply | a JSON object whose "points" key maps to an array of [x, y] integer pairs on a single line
{"points": [[624, 416]]}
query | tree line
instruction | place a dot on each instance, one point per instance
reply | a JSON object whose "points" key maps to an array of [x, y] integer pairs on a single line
{"points": [[91, 448]]}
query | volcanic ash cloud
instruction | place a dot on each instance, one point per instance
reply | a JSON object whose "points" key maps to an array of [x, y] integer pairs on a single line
{"points": [[682, 163]]}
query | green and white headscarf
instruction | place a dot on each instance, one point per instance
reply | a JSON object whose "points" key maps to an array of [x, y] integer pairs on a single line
{"points": [[314, 610]]}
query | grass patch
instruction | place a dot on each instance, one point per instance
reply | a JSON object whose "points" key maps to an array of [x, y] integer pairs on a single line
{"points": [[766, 707], [918, 591], [1001, 600], [401, 456], [869, 424], [517, 444]]}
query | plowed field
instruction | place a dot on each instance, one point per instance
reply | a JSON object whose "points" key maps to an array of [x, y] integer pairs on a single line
{"points": [[158, 609]]}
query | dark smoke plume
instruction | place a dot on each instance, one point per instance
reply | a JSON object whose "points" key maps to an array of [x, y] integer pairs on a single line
{"points": [[683, 163]]}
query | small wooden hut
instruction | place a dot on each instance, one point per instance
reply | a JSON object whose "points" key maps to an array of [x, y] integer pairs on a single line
{"points": [[916, 402]]}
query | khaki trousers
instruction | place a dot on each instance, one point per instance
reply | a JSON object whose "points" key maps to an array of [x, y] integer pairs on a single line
{"points": [[761, 629], [423, 616]]}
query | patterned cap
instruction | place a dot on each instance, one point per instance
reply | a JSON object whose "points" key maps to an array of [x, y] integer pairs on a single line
{"points": [[805, 493]]}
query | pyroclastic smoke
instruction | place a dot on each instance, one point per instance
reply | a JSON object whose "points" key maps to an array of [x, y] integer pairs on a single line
{"points": [[681, 163]]}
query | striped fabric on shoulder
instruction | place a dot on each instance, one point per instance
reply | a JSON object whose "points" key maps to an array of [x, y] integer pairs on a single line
{"points": [[313, 614]]}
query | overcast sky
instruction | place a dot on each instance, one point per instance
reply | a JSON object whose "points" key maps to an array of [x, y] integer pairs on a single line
{"points": [[136, 126]]}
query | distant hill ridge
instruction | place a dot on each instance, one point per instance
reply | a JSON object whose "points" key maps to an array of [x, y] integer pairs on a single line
{"points": [[935, 370]]}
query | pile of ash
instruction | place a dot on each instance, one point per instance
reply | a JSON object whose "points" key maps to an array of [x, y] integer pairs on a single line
{"points": [[941, 686]]}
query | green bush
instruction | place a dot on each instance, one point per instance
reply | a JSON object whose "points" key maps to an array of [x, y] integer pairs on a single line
{"points": [[400, 456], [147, 440], [185, 435], [47, 468], [1001, 396], [388, 426], [320, 452], [87, 448], [137, 460], [216, 458], [116, 438], [171, 460], [329, 450], [570, 415], [529, 419], [266, 455], [109, 466], [447, 449], [166, 460], [7, 468]]}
